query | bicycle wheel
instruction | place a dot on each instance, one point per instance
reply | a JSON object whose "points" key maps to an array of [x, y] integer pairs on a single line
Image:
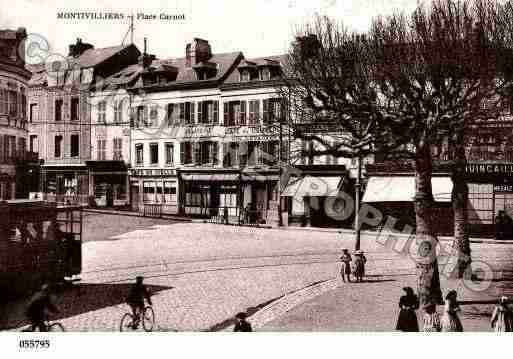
{"points": [[127, 322], [56, 327], [148, 319]]}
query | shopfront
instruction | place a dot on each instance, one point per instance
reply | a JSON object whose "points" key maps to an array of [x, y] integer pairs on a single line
{"points": [[65, 184], [209, 193], [154, 187], [108, 183]]}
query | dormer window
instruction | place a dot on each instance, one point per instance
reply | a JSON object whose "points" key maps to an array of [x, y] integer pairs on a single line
{"points": [[244, 76], [265, 74]]}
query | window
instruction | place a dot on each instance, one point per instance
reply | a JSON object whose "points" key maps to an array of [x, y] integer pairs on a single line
{"points": [[139, 157], [23, 104], [22, 148], [142, 116], [33, 112], [154, 153], [244, 75], [234, 113], [208, 112], [169, 153], [102, 149], [206, 153], [74, 109], [230, 154], [58, 110], [4, 102], [102, 108], [271, 110], [185, 153], [254, 112], [75, 146], [153, 116], [57, 146], [265, 74], [33, 145], [170, 192], [186, 114], [118, 112], [117, 145], [149, 191]]}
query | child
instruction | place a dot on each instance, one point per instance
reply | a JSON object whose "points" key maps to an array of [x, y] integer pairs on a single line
{"points": [[502, 317], [431, 319], [136, 297], [242, 325], [346, 265], [450, 320], [359, 265]]}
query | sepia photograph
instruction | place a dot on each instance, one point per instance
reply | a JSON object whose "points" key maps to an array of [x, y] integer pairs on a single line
{"points": [[332, 167]]}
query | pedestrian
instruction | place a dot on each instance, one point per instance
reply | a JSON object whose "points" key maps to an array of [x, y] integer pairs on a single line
{"points": [[450, 320], [359, 265], [407, 320], [431, 318], [345, 270], [502, 317], [242, 325]]}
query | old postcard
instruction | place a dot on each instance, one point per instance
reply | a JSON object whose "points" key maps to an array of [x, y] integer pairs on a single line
{"points": [[255, 166]]}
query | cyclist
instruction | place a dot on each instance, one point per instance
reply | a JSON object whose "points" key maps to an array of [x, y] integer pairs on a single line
{"points": [[38, 307], [136, 297]]}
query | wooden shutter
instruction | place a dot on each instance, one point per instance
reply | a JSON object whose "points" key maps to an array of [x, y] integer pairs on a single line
{"points": [[169, 114], [182, 113], [214, 153], [200, 112], [182, 153], [215, 115], [192, 114], [196, 152], [242, 115], [1, 149], [266, 111], [226, 154], [226, 113]]}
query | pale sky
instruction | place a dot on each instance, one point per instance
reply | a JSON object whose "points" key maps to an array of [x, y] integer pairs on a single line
{"points": [[255, 27]]}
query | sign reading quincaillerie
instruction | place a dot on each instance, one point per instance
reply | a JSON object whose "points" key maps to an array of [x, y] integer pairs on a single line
{"points": [[139, 172], [489, 169]]}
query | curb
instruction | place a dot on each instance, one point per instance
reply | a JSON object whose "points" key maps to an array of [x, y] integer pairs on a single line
{"points": [[290, 301], [136, 214]]}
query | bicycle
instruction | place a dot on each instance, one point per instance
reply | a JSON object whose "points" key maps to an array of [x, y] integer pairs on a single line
{"points": [[50, 327], [131, 322]]}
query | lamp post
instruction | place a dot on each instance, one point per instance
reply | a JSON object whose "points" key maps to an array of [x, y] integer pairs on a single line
{"points": [[357, 202]]}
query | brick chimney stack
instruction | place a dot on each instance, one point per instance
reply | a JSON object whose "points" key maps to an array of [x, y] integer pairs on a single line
{"points": [[197, 51], [77, 49]]}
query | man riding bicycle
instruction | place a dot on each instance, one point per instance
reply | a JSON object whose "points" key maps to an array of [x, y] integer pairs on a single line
{"points": [[37, 309], [136, 297]]}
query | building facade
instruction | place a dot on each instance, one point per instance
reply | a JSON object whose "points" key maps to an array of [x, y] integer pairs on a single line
{"points": [[13, 119], [60, 117]]}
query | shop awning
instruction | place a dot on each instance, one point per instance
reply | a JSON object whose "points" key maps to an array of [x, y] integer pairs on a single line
{"points": [[402, 189], [216, 177], [310, 186]]}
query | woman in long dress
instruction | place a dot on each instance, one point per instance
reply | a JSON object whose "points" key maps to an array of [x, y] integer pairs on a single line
{"points": [[345, 270], [502, 317], [359, 265], [450, 320], [407, 320]]}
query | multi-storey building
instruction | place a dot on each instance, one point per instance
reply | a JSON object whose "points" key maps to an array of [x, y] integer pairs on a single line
{"points": [[13, 121], [207, 136], [60, 113]]}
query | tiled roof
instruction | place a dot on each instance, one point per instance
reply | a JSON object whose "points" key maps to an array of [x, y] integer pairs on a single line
{"points": [[123, 78], [224, 62], [259, 61]]}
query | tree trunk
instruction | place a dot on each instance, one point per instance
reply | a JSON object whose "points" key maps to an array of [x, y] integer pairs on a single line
{"points": [[461, 244], [357, 228], [426, 261]]}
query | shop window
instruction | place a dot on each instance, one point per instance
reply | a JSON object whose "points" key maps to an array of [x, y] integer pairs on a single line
{"points": [[154, 153], [170, 192], [74, 109], [149, 191], [75, 146], [58, 110], [57, 146], [139, 158]]}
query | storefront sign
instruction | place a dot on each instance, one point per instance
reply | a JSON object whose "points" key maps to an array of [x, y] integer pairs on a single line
{"points": [[489, 169], [139, 172], [502, 188]]}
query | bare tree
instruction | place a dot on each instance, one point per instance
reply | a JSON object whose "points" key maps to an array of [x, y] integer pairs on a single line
{"points": [[439, 66], [329, 91]]}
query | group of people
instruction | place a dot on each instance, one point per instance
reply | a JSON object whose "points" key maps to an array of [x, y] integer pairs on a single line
{"points": [[356, 267], [501, 320]]}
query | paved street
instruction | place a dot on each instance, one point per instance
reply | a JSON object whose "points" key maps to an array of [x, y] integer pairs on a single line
{"points": [[202, 274]]}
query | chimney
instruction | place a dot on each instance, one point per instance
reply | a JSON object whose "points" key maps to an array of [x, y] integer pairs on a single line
{"points": [[197, 51], [145, 59], [79, 48]]}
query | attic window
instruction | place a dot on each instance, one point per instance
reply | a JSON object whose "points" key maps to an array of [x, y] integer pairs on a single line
{"points": [[265, 74], [244, 76]]}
